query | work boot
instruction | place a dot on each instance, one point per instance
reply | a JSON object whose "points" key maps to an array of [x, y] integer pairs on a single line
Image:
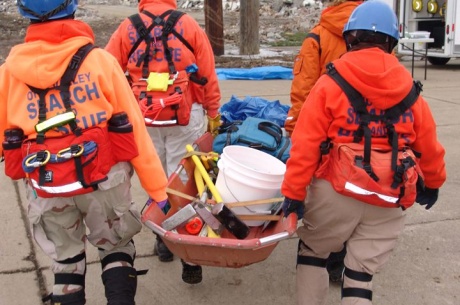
{"points": [[160, 249], [120, 285], [191, 274]]}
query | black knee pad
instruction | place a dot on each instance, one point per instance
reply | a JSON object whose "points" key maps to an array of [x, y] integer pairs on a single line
{"points": [[309, 260], [76, 298], [117, 257], [357, 292]]}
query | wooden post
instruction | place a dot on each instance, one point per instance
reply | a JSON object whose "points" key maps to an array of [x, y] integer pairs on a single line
{"points": [[249, 27], [214, 25]]}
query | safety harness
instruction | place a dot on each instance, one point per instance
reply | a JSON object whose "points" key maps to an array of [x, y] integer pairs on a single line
{"points": [[317, 38], [164, 98], [168, 28], [41, 158], [387, 118]]}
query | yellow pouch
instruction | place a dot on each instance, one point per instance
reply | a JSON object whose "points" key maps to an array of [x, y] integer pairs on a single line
{"points": [[158, 81]]}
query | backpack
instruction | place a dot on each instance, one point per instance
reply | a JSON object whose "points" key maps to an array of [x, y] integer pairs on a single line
{"points": [[164, 98], [382, 177], [75, 163], [256, 133]]}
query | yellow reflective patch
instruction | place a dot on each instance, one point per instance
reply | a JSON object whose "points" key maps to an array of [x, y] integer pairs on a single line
{"points": [[55, 121], [157, 81]]}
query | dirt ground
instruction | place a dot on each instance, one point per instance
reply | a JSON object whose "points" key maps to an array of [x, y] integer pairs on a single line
{"points": [[13, 28]]}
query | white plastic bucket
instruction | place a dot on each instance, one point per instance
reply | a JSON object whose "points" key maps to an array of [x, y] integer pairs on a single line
{"points": [[247, 174]]}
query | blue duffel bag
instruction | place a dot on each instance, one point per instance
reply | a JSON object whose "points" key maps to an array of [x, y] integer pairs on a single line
{"points": [[256, 133]]}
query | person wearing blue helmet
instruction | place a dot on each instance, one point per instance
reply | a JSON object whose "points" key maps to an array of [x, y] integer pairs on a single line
{"points": [[367, 101], [72, 131]]}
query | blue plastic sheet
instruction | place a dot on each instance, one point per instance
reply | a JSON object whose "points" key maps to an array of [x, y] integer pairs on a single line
{"points": [[258, 73], [252, 106]]}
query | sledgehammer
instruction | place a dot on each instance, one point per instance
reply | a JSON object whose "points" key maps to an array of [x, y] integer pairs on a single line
{"points": [[231, 222]]}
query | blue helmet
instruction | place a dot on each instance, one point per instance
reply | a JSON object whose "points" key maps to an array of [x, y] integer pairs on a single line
{"points": [[375, 16], [43, 10]]}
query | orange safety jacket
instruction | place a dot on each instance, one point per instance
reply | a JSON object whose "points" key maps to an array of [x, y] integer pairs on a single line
{"points": [[125, 36], [99, 90], [322, 45], [328, 114]]}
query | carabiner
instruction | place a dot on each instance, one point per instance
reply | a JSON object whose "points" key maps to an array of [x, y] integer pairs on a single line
{"points": [[40, 159], [70, 152]]}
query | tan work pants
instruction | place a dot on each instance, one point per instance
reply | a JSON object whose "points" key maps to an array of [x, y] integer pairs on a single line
{"points": [[170, 142], [59, 224], [330, 220]]}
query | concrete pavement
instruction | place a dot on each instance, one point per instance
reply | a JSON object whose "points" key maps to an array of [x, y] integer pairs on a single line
{"points": [[423, 270]]}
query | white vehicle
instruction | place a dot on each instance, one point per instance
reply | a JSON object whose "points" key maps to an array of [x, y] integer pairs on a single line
{"points": [[438, 17]]}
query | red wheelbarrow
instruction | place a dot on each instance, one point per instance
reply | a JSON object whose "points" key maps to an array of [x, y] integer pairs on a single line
{"points": [[223, 251]]}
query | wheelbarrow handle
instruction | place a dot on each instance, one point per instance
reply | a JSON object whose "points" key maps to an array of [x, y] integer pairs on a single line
{"points": [[155, 228]]}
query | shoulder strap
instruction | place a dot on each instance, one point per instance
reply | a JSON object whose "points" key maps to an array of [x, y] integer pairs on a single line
{"points": [[168, 28], [315, 37], [144, 35], [141, 30], [64, 90], [409, 100], [355, 98]]}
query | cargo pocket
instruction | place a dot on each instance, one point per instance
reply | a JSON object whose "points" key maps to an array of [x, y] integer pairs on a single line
{"points": [[121, 137], [297, 65]]}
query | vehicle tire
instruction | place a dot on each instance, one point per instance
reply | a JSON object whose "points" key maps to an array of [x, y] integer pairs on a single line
{"points": [[438, 61]]}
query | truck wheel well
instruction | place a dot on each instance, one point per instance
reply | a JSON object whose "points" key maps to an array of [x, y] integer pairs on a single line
{"points": [[438, 61]]}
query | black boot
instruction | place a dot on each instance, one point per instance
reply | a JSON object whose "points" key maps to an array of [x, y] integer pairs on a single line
{"points": [[120, 285], [76, 298], [160, 249], [191, 274]]}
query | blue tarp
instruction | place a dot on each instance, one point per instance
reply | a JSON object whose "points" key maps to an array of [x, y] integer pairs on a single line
{"points": [[253, 106], [258, 73]]}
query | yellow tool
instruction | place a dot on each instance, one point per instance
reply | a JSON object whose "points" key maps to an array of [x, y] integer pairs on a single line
{"points": [[201, 189], [231, 222], [199, 181], [204, 174]]}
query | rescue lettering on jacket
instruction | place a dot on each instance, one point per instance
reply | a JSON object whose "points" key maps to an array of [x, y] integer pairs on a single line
{"points": [[156, 52], [378, 130], [83, 90]]}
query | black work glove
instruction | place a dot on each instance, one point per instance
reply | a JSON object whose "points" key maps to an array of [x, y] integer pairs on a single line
{"points": [[292, 205], [427, 196]]}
